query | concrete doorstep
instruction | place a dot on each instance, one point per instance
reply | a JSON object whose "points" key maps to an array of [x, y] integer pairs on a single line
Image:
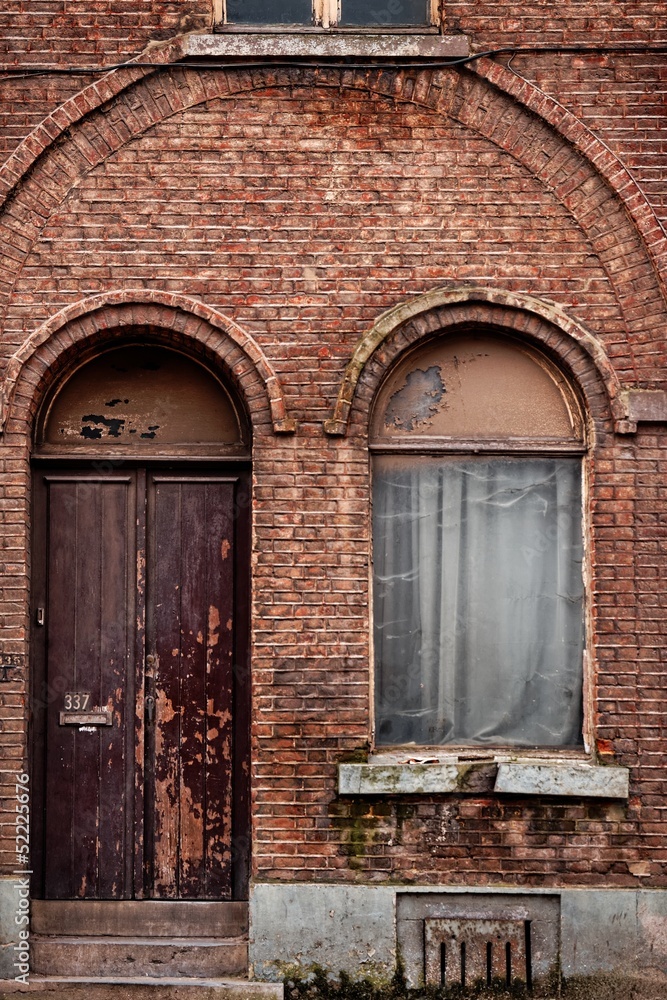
{"points": [[141, 988]]}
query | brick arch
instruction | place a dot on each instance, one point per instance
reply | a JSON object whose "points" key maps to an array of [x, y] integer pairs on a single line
{"points": [[601, 206], [184, 322], [87, 100], [116, 81], [448, 308], [582, 138]]}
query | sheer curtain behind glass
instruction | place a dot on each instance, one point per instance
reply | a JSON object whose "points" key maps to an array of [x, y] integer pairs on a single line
{"points": [[478, 600]]}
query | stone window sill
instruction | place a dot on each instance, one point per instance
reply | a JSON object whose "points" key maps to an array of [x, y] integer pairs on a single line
{"points": [[569, 778], [327, 44]]}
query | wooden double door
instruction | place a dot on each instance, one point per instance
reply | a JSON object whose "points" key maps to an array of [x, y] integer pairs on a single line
{"points": [[141, 684]]}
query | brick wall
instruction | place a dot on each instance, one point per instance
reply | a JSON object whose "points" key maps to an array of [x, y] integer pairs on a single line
{"points": [[620, 96], [302, 205]]}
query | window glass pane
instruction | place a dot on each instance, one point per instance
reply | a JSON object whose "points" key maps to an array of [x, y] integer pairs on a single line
{"points": [[269, 12], [478, 600], [370, 12]]}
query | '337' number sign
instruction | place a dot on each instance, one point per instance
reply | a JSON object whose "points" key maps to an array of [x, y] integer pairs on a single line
{"points": [[77, 701]]}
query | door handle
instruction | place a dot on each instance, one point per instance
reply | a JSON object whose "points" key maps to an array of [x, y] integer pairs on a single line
{"points": [[149, 704]]}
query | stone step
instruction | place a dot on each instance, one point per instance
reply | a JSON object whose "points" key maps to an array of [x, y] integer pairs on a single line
{"points": [[139, 918], [140, 988], [60, 955]]}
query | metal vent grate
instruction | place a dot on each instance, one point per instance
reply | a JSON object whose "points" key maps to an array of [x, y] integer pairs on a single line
{"points": [[480, 938], [469, 952]]}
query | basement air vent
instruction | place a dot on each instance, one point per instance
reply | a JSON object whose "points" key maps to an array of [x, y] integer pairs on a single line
{"points": [[463, 940], [477, 952]]}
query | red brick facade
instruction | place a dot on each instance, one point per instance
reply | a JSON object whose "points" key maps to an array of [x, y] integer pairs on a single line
{"points": [[263, 219]]}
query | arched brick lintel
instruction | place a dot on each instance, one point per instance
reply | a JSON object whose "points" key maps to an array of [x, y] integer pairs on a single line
{"points": [[80, 105], [450, 307], [606, 163], [187, 317], [564, 123], [597, 205]]}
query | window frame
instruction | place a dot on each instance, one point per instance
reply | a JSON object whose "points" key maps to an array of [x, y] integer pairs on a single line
{"points": [[326, 16], [518, 447]]}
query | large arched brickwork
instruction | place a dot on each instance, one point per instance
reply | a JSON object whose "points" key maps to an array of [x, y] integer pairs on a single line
{"points": [[445, 308], [113, 83], [181, 321], [88, 99], [574, 181], [572, 129]]}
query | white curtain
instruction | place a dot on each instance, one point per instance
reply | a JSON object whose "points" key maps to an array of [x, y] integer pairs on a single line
{"points": [[478, 600]]}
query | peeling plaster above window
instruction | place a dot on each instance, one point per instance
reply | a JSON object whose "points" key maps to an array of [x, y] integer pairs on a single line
{"points": [[477, 388]]}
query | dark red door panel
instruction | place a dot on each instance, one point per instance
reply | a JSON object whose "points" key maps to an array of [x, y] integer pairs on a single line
{"points": [[89, 619], [190, 632], [139, 715]]}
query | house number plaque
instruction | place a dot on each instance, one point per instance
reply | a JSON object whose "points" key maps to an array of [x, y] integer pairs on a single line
{"points": [[77, 701], [78, 712]]}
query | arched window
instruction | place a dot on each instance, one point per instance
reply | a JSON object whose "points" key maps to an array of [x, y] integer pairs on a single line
{"points": [[477, 445]]}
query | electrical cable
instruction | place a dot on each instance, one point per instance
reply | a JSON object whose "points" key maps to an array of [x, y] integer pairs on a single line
{"points": [[25, 72]]}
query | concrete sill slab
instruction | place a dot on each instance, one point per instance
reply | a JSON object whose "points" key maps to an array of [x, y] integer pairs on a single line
{"points": [[575, 779], [327, 45], [569, 779], [397, 779]]}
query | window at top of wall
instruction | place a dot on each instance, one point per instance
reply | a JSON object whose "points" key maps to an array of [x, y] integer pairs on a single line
{"points": [[477, 448], [329, 13]]}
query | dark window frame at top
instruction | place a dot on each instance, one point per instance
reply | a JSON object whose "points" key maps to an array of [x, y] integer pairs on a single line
{"points": [[295, 14]]}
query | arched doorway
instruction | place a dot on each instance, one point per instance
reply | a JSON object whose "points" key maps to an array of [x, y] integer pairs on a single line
{"points": [[140, 636]]}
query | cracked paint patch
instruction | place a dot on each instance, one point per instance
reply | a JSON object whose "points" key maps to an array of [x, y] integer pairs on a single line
{"points": [[417, 402]]}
